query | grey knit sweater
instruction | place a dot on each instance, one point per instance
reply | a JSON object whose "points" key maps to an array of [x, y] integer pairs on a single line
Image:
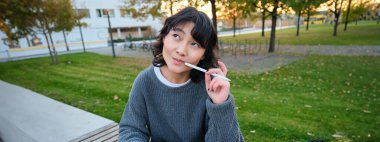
{"points": [[156, 112]]}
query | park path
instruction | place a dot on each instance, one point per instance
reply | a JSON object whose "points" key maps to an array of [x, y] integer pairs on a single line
{"points": [[262, 62], [26, 115]]}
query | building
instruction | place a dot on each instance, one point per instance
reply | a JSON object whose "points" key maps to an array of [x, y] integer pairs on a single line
{"points": [[96, 33]]}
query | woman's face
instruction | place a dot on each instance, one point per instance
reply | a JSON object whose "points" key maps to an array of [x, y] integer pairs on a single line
{"points": [[180, 47]]}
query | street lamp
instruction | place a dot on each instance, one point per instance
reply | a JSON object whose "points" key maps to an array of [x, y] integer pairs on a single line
{"points": [[110, 31]]}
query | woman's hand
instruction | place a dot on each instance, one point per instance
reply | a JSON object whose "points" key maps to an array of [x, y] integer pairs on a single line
{"points": [[217, 88]]}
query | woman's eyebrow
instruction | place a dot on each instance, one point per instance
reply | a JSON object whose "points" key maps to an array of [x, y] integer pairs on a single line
{"points": [[179, 30]]}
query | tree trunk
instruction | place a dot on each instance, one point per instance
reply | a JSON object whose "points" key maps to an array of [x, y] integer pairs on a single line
{"points": [[336, 24], [64, 37], [214, 20], [234, 24], [81, 37], [298, 22], [171, 7], [263, 24], [54, 50], [215, 24], [378, 19], [48, 45], [348, 13], [27, 40], [273, 30], [308, 20], [337, 15]]}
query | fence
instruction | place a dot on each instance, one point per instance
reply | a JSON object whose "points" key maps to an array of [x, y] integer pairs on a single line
{"points": [[245, 47]]}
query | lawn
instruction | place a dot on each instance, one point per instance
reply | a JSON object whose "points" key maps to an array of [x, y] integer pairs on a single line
{"points": [[364, 33], [318, 97]]}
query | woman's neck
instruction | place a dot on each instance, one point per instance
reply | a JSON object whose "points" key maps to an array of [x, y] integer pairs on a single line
{"points": [[172, 77]]}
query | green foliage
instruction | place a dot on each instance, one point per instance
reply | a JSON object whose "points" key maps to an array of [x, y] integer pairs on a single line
{"points": [[65, 17], [333, 98], [357, 10], [16, 18], [142, 9], [55, 15], [22, 17]]}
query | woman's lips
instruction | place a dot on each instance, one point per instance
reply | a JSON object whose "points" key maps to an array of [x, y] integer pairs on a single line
{"points": [[177, 61]]}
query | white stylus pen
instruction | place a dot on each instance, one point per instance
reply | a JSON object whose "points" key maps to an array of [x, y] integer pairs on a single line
{"points": [[203, 70]]}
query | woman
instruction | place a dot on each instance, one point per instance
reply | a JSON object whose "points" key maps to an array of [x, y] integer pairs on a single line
{"points": [[172, 102]]}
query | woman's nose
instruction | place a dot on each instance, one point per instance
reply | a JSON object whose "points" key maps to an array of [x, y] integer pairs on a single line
{"points": [[181, 49]]}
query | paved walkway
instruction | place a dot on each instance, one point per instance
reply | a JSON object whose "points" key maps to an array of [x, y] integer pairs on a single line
{"points": [[259, 63], [28, 116]]}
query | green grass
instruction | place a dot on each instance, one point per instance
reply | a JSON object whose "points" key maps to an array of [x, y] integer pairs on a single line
{"points": [[313, 98], [95, 83], [365, 33]]}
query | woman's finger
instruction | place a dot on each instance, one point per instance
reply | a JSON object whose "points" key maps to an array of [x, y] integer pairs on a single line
{"points": [[212, 84], [222, 67], [216, 71], [207, 80]]}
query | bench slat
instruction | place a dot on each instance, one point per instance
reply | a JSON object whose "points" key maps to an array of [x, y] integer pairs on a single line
{"points": [[96, 132], [108, 136], [97, 136]]}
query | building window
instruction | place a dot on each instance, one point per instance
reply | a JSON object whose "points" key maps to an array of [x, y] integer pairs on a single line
{"points": [[84, 12], [124, 13], [103, 12]]}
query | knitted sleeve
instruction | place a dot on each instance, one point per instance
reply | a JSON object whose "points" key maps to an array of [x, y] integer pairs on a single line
{"points": [[133, 124], [223, 125]]}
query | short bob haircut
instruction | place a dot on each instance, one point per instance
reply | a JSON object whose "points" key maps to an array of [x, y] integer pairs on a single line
{"points": [[203, 32]]}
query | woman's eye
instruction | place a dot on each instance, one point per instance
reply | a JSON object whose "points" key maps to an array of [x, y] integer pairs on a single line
{"points": [[176, 37], [195, 44]]}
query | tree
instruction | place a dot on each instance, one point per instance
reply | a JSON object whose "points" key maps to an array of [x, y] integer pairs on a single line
{"points": [[311, 8], [271, 7], [17, 17], [307, 7], [358, 8], [347, 13], [77, 19], [232, 10], [214, 18], [142, 9], [335, 7], [53, 16], [299, 6], [262, 6], [68, 14]]}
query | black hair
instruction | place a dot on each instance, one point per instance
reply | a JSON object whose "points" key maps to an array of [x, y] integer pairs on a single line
{"points": [[203, 32]]}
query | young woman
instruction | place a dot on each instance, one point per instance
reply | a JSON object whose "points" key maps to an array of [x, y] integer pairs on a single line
{"points": [[172, 102]]}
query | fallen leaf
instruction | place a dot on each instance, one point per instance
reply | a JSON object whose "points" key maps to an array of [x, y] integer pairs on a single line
{"points": [[366, 111], [338, 135], [308, 106], [310, 134], [115, 97]]}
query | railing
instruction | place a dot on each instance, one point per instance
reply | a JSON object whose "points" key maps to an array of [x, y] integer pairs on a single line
{"points": [[245, 47], [5, 55]]}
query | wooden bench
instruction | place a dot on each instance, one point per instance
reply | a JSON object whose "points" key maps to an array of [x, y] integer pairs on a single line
{"points": [[107, 133]]}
